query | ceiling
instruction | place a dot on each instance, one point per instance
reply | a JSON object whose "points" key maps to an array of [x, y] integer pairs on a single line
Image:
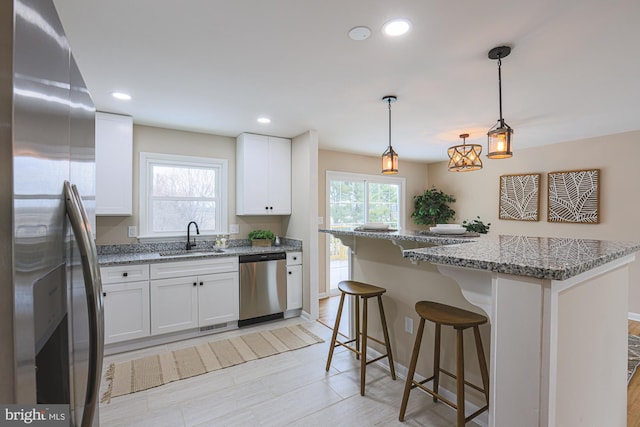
{"points": [[215, 66]]}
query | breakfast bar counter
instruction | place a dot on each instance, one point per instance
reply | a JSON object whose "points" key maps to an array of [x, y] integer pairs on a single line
{"points": [[558, 314]]}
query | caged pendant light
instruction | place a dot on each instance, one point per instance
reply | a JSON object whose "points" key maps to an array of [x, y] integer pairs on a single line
{"points": [[465, 157], [500, 135], [389, 157]]}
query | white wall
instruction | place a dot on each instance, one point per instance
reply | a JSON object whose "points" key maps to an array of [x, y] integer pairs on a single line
{"points": [[477, 193]]}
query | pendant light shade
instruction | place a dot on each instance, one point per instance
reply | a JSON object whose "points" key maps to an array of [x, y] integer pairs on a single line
{"points": [[389, 157], [500, 135], [465, 157]]}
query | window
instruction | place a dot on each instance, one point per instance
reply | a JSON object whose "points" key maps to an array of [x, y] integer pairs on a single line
{"points": [[355, 199], [177, 189]]}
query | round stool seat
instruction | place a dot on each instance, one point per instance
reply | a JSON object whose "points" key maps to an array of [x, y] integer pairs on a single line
{"points": [[351, 287], [448, 315]]}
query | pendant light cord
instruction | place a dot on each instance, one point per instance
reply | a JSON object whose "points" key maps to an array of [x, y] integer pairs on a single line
{"points": [[389, 100], [500, 89]]}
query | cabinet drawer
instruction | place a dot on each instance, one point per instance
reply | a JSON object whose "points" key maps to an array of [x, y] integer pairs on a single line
{"points": [[294, 258], [124, 273], [194, 268]]}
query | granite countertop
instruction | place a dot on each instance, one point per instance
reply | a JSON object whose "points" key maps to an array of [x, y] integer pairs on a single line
{"points": [[540, 257], [109, 255]]}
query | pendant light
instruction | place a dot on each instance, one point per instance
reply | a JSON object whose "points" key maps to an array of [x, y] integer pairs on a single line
{"points": [[499, 142], [465, 158], [389, 157]]}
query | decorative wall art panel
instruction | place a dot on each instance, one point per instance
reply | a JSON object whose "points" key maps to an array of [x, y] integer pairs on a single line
{"points": [[520, 197], [574, 196]]}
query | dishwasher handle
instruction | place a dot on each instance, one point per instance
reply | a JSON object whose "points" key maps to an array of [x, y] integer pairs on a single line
{"points": [[269, 256]]}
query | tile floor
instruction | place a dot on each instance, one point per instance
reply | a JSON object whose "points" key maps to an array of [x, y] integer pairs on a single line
{"points": [[288, 389]]}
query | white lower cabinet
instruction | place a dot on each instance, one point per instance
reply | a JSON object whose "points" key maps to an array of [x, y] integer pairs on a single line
{"points": [[174, 304], [294, 280], [125, 292], [186, 302], [218, 299], [126, 311]]}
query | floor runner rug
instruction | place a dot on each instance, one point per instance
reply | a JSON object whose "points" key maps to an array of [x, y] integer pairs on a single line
{"points": [[152, 371]]}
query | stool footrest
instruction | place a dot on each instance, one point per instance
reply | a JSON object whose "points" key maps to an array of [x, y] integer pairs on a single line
{"points": [[416, 384], [420, 385], [374, 339], [480, 389], [359, 353]]}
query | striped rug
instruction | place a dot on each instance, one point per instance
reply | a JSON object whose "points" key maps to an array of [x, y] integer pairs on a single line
{"points": [[152, 371]]}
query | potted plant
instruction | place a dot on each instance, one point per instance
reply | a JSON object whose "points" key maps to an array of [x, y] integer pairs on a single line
{"points": [[432, 207], [261, 237], [477, 226]]}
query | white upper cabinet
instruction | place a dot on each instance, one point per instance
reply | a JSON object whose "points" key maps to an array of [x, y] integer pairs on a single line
{"points": [[263, 181], [114, 164]]}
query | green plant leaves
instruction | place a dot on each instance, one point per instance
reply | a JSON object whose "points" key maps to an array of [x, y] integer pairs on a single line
{"points": [[432, 207]]}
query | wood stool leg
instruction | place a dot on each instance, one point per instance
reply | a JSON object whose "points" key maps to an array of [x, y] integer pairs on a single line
{"points": [[356, 301], [482, 361], [386, 338], [363, 351], [412, 370], [436, 361], [460, 377], [335, 332]]}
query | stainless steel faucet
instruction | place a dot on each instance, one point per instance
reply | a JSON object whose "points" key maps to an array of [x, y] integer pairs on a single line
{"points": [[189, 243]]}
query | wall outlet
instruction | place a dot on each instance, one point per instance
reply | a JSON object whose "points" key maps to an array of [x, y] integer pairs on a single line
{"points": [[131, 231], [408, 325], [234, 229]]}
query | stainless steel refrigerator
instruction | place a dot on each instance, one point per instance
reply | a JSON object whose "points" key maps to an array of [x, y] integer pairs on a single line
{"points": [[51, 326]]}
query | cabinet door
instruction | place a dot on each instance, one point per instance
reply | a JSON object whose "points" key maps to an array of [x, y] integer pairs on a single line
{"points": [[114, 164], [218, 298], [279, 178], [294, 287], [126, 311], [252, 153], [174, 304]]}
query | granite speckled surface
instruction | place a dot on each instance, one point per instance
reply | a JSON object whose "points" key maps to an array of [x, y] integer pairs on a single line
{"points": [[174, 251], [540, 257]]}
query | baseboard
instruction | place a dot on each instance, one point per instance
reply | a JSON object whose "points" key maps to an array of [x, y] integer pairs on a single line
{"points": [[306, 316], [401, 372], [634, 316]]}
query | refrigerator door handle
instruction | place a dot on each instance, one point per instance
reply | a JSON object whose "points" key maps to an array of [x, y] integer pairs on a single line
{"points": [[93, 284]]}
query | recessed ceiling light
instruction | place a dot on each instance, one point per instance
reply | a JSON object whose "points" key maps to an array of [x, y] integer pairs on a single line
{"points": [[121, 96], [264, 120], [359, 33], [396, 27]]}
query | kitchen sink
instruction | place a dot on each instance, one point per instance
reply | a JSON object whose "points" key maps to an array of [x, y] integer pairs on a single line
{"points": [[184, 252]]}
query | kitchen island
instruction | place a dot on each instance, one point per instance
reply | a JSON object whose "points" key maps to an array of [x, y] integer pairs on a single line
{"points": [[558, 317]]}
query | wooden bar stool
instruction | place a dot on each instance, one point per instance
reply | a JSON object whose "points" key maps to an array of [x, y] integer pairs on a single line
{"points": [[442, 314], [364, 291]]}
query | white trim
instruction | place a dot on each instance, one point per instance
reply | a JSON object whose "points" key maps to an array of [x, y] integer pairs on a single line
{"points": [[634, 316], [148, 159]]}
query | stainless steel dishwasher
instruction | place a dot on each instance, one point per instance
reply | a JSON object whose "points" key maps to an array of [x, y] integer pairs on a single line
{"points": [[263, 287]]}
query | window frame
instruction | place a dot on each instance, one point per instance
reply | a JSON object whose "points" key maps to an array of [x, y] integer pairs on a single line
{"points": [[148, 160], [377, 179]]}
